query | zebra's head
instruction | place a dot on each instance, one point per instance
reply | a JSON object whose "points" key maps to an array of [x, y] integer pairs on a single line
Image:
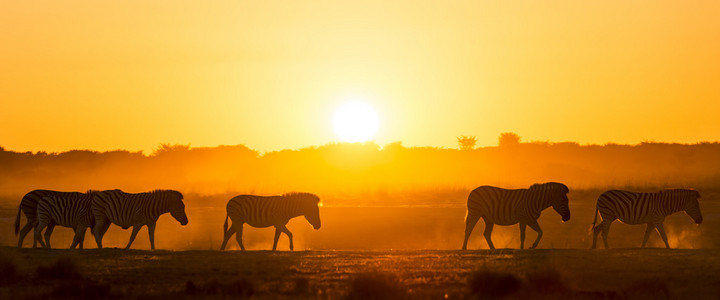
{"points": [[692, 205], [312, 210], [177, 207], [557, 193]]}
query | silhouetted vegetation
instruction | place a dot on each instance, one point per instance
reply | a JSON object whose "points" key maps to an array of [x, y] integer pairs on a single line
{"points": [[240, 287], [348, 169], [376, 285], [62, 268], [8, 271], [490, 285], [547, 283], [466, 142]]}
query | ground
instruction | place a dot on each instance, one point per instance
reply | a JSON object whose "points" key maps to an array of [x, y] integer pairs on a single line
{"points": [[421, 274]]}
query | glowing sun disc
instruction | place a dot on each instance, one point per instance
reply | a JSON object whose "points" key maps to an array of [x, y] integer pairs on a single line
{"points": [[355, 121]]}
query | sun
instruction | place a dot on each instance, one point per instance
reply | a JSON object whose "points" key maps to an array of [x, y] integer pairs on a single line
{"points": [[355, 121]]}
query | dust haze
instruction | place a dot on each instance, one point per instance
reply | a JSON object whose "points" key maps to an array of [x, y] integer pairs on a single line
{"points": [[376, 198]]}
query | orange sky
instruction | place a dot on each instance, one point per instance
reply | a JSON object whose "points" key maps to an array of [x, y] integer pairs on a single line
{"points": [[268, 74]]}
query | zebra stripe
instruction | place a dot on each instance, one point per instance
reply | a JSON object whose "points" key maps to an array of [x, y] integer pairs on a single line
{"points": [[28, 206], [508, 207], [66, 211], [266, 211], [135, 210], [644, 208]]}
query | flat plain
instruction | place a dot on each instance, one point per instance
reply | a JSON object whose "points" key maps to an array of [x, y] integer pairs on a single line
{"points": [[416, 274]]}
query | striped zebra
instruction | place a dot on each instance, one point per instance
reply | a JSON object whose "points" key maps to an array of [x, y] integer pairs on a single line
{"points": [[508, 207], [66, 211], [28, 206], [136, 210], [644, 208], [261, 211]]}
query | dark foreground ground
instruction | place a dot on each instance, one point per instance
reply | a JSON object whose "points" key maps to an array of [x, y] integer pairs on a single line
{"points": [[424, 274]]}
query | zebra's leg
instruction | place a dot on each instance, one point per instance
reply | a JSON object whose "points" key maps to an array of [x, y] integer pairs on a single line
{"points": [[596, 232], [239, 235], [81, 240], [79, 235], [134, 233], [605, 231], [289, 234], [24, 231], [488, 232], [648, 230], [101, 226], [227, 235], [48, 233], [661, 231], [522, 234], [38, 232], [535, 226], [277, 237], [151, 234], [470, 222]]}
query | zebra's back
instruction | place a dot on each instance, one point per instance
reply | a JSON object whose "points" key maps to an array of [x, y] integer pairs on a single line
{"points": [[260, 211], [629, 207], [119, 207], [66, 211], [29, 202], [498, 205]]}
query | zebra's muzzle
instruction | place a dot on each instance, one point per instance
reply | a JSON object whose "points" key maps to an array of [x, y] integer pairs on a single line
{"points": [[565, 218]]}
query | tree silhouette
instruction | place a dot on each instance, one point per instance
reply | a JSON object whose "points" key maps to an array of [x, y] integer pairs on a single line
{"points": [[466, 142], [508, 139]]}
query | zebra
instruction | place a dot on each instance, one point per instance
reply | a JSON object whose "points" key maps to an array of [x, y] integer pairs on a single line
{"points": [[28, 206], [644, 208], [65, 211], [266, 211], [508, 207], [136, 210]]}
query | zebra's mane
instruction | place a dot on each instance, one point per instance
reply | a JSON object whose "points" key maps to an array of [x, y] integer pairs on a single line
{"points": [[678, 192], [159, 192], [301, 195], [550, 186]]}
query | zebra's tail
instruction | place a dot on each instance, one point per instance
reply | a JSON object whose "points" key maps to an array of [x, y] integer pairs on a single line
{"points": [[592, 227], [225, 226], [17, 221]]}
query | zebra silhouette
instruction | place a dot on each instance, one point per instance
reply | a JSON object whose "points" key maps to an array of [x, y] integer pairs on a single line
{"points": [[135, 210], [644, 208], [262, 211], [29, 205], [508, 207], [66, 211]]}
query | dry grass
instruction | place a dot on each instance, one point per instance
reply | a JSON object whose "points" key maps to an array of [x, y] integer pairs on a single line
{"points": [[483, 274]]}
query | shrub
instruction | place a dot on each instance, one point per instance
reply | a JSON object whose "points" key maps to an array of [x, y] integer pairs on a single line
{"points": [[240, 287], [81, 289], [8, 271], [489, 285], [63, 268], [376, 285]]}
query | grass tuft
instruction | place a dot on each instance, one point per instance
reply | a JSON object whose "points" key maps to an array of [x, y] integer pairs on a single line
{"points": [[240, 287], [491, 285], [648, 289], [81, 289], [62, 268], [8, 271], [376, 285]]}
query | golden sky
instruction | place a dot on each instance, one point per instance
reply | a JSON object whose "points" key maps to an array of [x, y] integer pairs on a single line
{"points": [[268, 74]]}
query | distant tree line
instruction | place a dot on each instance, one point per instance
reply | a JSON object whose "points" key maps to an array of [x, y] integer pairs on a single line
{"points": [[344, 168]]}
